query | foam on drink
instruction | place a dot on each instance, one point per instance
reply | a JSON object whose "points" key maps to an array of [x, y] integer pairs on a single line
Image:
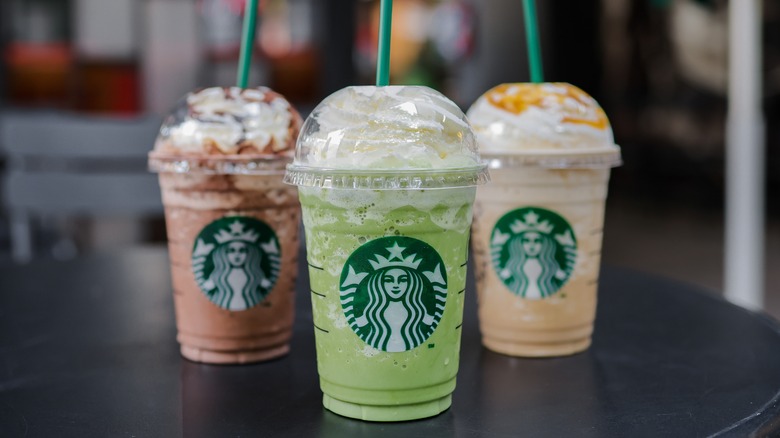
{"points": [[527, 117]]}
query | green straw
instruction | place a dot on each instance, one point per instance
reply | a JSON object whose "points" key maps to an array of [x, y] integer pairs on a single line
{"points": [[247, 42], [532, 38], [383, 55]]}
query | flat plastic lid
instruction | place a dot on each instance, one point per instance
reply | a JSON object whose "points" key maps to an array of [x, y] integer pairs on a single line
{"points": [[597, 158], [386, 179], [220, 165], [386, 138]]}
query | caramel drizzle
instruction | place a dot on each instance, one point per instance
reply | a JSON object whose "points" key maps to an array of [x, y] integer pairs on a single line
{"points": [[525, 96]]}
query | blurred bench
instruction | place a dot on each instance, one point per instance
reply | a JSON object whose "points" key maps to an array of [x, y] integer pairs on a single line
{"points": [[72, 165]]}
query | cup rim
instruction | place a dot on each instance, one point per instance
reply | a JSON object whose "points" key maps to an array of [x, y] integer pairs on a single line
{"points": [[592, 158], [386, 179], [255, 164]]}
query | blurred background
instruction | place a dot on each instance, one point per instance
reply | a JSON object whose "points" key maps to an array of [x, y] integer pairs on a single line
{"points": [[84, 85]]}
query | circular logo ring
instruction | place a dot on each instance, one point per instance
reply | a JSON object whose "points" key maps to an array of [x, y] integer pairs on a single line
{"points": [[393, 292], [236, 262], [533, 251]]}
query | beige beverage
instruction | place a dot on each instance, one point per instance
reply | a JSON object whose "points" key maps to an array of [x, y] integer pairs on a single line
{"points": [[538, 226], [232, 224]]}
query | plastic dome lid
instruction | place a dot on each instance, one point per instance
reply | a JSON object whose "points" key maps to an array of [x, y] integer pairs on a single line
{"points": [[393, 137], [227, 131], [552, 125]]}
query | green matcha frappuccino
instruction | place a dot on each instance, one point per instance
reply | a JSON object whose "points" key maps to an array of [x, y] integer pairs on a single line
{"points": [[387, 178]]}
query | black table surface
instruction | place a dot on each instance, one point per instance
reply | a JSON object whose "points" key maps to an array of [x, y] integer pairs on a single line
{"points": [[87, 348]]}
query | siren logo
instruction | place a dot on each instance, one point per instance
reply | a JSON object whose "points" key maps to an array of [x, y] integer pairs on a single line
{"points": [[533, 251], [236, 262], [393, 292]]}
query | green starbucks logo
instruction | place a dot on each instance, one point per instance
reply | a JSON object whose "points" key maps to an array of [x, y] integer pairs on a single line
{"points": [[533, 251], [393, 292], [236, 262]]}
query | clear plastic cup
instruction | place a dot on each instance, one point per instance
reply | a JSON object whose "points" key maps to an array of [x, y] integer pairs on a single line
{"points": [[538, 226], [232, 223], [387, 178]]}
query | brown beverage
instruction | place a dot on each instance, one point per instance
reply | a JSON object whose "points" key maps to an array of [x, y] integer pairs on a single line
{"points": [[232, 224]]}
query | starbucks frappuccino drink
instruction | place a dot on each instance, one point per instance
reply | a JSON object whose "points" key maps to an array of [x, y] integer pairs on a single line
{"points": [[387, 178], [538, 226], [232, 224]]}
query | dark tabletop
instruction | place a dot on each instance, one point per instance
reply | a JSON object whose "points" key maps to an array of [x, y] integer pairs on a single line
{"points": [[87, 348]]}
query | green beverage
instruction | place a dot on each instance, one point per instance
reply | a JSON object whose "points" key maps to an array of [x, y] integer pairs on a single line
{"points": [[387, 213]]}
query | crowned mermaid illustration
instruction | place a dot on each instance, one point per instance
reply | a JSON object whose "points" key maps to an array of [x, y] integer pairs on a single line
{"points": [[401, 303], [395, 309], [532, 265], [526, 252], [237, 280], [237, 270]]}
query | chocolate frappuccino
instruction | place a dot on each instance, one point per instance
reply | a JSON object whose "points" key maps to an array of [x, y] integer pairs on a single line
{"points": [[232, 224]]}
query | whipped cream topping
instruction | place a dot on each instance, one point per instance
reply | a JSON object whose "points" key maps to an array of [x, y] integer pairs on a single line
{"points": [[539, 117], [230, 121], [395, 127]]}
